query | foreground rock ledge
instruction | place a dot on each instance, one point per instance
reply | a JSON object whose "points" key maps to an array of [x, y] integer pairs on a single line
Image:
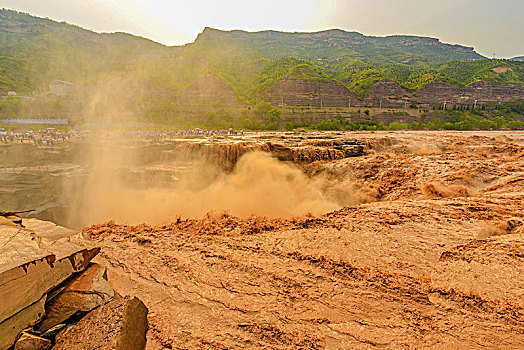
{"points": [[33, 260]]}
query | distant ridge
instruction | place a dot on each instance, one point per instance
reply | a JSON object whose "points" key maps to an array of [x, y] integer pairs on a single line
{"points": [[35, 51], [272, 43]]}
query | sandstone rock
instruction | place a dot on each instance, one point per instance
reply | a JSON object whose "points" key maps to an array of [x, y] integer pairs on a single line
{"points": [[54, 331], [436, 92], [485, 91], [353, 151], [21, 258], [31, 342], [11, 327], [15, 220], [282, 152], [387, 94], [79, 294], [312, 154], [118, 325], [33, 260], [6, 222], [300, 92]]}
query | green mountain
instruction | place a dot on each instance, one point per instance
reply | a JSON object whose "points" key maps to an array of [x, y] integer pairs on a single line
{"points": [[35, 51], [251, 62], [336, 48]]}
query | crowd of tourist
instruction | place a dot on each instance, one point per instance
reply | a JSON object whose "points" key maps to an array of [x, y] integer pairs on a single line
{"points": [[166, 135], [52, 137], [210, 132], [43, 137]]}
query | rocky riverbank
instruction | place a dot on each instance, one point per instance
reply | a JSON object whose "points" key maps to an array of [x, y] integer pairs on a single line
{"points": [[53, 296]]}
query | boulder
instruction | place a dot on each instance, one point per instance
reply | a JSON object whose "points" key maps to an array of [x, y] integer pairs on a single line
{"points": [[31, 342], [118, 325], [33, 260], [78, 295]]}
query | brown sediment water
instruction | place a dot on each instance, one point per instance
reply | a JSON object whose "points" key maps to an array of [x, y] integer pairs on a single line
{"points": [[428, 255], [111, 175], [422, 247], [258, 184]]}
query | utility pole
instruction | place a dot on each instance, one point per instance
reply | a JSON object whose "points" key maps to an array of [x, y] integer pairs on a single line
{"points": [[445, 101], [320, 103], [349, 103], [380, 105]]}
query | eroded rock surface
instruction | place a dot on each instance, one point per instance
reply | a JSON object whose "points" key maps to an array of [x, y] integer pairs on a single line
{"points": [[33, 260], [388, 94], [29, 341], [11, 327], [77, 295], [119, 325]]}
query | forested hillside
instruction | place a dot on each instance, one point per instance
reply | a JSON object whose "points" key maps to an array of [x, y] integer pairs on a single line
{"points": [[251, 62], [34, 51]]}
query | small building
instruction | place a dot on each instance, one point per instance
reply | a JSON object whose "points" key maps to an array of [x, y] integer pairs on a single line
{"points": [[61, 88], [14, 95]]}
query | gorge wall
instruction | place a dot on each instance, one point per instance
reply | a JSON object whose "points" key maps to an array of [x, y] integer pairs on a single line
{"points": [[388, 94], [300, 92], [210, 89]]}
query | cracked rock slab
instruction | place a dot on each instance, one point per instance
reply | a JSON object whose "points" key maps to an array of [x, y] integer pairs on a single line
{"points": [[118, 325], [11, 327], [34, 260], [78, 295]]}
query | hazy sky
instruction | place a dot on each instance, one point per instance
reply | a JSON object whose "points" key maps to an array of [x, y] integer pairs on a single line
{"points": [[491, 26]]}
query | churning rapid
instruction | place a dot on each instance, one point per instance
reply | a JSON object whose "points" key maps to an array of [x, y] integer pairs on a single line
{"points": [[433, 260], [259, 184], [136, 177]]}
